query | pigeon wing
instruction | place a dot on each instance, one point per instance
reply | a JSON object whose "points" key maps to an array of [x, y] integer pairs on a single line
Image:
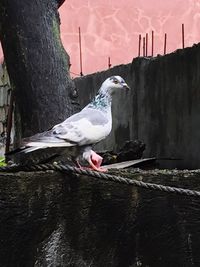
{"points": [[86, 127]]}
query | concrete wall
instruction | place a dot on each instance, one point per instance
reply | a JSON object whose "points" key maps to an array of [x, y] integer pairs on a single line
{"points": [[163, 109], [111, 29]]}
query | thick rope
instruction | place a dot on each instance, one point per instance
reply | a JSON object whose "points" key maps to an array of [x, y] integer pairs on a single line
{"points": [[103, 176]]}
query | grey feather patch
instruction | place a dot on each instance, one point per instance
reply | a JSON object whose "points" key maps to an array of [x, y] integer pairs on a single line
{"points": [[94, 116]]}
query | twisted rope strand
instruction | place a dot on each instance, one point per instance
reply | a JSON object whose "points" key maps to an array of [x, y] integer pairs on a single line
{"points": [[103, 176]]}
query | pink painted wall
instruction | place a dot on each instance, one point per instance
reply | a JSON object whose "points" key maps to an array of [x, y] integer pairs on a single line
{"points": [[111, 28]]}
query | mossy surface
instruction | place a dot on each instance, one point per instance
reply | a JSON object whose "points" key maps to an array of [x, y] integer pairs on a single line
{"points": [[53, 219]]}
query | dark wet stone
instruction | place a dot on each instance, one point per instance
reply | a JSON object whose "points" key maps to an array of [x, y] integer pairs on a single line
{"points": [[53, 219]]}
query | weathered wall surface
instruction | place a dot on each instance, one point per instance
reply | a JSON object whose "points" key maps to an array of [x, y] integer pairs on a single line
{"points": [[163, 108], [111, 29], [55, 219]]}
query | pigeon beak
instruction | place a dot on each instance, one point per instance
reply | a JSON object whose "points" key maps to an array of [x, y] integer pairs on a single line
{"points": [[125, 86]]}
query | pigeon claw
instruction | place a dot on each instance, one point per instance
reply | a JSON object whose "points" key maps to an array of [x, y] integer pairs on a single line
{"points": [[95, 162], [96, 159], [96, 168]]}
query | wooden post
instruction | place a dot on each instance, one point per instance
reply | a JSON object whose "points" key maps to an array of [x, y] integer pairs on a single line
{"points": [[183, 36], [139, 45], [152, 42], [143, 46], [109, 64], [165, 43], [9, 122], [146, 50], [80, 51]]}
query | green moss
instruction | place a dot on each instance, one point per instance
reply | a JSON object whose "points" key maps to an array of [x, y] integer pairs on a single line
{"points": [[56, 32], [2, 161]]}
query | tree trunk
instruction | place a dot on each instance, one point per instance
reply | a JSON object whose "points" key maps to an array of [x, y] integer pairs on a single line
{"points": [[37, 64]]}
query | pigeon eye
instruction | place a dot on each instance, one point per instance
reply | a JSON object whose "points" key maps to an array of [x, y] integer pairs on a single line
{"points": [[115, 81]]}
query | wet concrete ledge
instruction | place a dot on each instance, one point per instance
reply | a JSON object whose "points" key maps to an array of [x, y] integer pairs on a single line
{"points": [[53, 219]]}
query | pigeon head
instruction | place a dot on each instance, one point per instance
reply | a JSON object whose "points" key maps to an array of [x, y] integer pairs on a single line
{"points": [[112, 84], [103, 99]]}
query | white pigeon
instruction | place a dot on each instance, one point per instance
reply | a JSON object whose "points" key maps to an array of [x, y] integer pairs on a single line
{"points": [[80, 131]]}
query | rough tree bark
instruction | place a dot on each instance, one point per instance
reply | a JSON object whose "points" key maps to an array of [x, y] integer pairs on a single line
{"points": [[37, 64]]}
